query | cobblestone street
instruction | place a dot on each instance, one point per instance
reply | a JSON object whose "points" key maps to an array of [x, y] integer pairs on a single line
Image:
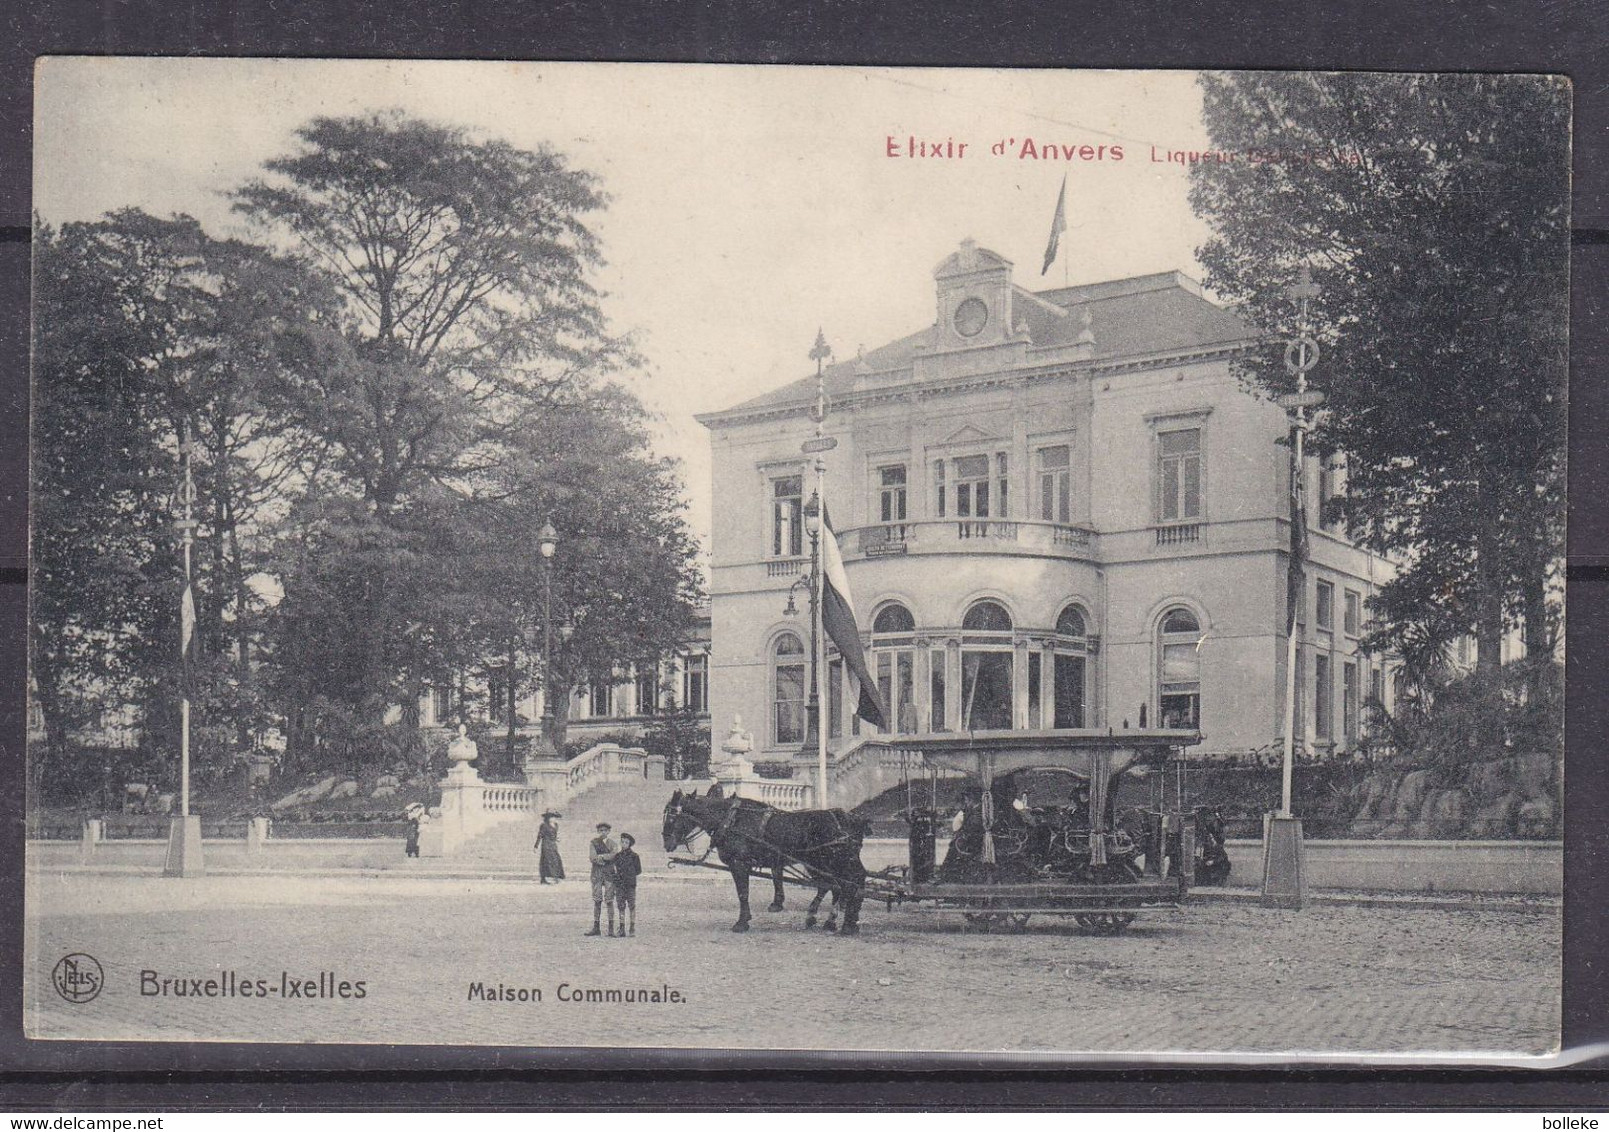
{"points": [[1213, 977]]}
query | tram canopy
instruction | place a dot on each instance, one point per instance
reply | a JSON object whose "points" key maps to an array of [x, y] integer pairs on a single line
{"points": [[988, 754]]}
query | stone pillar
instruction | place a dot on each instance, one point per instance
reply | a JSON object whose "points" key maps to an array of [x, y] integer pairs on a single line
{"points": [[654, 768], [734, 766], [1019, 683], [1047, 687], [953, 692], [90, 836], [463, 802], [256, 834], [553, 780], [922, 684]]}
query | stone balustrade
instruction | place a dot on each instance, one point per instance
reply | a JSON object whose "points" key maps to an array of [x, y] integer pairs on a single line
{"points": [[471, 806]]}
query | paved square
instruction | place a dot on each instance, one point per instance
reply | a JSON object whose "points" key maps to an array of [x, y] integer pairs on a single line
{"points": [[1212, 977]]}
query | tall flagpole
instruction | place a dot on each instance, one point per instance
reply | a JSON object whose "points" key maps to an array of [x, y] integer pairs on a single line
{"points": [[818, 660], [184, 834], [187, 527]]}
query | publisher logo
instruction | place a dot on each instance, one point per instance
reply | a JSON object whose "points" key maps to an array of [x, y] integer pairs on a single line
{"points": [[78, 977]]}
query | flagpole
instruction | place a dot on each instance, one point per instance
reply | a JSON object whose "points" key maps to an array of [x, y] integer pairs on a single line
{"points": [[188, 528], [184, 834]]}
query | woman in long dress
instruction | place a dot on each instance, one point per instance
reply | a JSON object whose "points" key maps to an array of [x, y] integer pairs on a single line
{"points": [[550, 866]]}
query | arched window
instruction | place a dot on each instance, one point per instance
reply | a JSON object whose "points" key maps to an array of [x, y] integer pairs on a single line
{"points": [[987, 617], [986, 668], [1179, 669], [894, 619], [1070, 675], [894, 660], [787, 690]]}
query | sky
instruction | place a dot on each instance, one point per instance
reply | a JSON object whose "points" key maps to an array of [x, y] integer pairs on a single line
{"points": [[749, 205]]}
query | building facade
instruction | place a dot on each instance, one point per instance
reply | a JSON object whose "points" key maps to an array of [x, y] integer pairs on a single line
{"points": [[629, 702], [1056, 509]]}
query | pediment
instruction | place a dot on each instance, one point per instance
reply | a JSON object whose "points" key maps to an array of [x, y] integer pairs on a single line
{"points": [[966, 434]]}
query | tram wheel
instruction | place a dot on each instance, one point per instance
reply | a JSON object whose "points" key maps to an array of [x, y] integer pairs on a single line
{"points": [[1104, 923], [990, 921]]}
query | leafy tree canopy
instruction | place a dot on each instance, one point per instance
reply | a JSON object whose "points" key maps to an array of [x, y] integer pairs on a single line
{"points": [[1433, 211]]}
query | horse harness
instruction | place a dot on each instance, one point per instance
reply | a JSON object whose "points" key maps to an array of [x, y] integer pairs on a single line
{"points": [[737, 808]]}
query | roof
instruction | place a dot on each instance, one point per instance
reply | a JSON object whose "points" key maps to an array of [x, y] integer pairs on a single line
{"points": [[1145, 315]]}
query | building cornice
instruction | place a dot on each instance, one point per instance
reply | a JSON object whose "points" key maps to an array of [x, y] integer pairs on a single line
{"points": [[998, 379]]}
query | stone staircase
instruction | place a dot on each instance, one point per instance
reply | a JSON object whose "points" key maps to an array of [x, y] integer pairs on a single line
{"points": [[635, 807]]}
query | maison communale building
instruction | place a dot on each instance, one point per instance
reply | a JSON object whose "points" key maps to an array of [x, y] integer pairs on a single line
{"points": [[1056, 509]]}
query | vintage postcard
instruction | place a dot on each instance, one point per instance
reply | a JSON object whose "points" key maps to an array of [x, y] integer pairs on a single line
{"points": [[1042, 564]]}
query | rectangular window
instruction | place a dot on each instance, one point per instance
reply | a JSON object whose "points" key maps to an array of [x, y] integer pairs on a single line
{"points": [[938, 486], [599, 695], [1179, 475], [1325, 611], [647, 690], [891, 494], [935, 662], [787, 507], [1352, 602], [696, 683], [1326, 489], [1003, 478], [441, 704], [1055, 484], [1377, 697], [1349, 703], [972, 487], [1322, 693]]}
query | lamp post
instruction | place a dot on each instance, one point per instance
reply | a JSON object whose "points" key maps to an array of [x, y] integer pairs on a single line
{"points": [[549, 546], [1284, 882]]}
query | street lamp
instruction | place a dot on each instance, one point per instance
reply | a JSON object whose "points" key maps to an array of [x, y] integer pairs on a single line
{"points": [[549, 545], [812, 519], [1284, 882]]}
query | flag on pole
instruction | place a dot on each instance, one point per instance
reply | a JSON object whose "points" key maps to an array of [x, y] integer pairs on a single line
{"points": [[839, 623], [1296, 579], [1058, 225], [187, 633]]}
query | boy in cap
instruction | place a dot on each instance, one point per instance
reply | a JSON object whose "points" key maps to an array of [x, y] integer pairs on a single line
{"points": [[601, 852], [628, 867]]}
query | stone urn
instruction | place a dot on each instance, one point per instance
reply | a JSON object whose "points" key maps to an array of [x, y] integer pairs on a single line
{"points": [[461, 754]]}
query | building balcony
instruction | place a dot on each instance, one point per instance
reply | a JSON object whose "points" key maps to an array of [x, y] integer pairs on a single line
{"points": [[1028, 537]]}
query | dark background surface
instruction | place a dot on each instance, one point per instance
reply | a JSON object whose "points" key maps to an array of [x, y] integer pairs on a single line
{"points": [[1554, 37]]}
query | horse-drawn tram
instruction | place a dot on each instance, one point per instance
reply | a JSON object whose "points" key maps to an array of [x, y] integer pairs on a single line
{"points": [[1038, 830], [1021, 846]]}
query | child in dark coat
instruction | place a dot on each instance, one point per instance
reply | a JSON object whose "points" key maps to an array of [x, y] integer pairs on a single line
{"points": [[628, 867]]}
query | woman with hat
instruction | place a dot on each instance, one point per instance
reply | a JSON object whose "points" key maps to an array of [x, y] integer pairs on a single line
{"points": [[550, 866], [414, 815]]}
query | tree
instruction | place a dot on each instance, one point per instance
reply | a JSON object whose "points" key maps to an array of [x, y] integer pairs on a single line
{"points": [[462, 269], [1433, 211], [146, 327], [465, 402]]}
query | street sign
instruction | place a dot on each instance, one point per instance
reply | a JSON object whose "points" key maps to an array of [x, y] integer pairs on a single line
{"points": [[1305, 400], [819, 444]]}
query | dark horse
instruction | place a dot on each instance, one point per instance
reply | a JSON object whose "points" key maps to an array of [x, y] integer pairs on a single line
{"points": [[751, 837]]}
